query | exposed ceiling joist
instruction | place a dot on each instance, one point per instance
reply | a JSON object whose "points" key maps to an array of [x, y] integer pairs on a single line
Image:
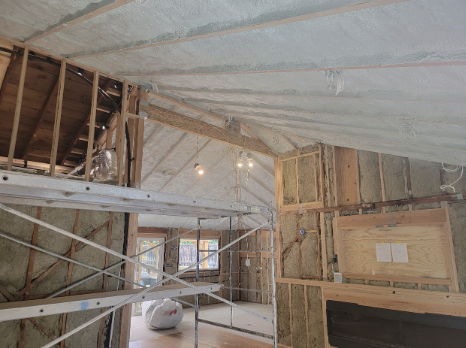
{"points": [[233, 92], [191, 125], [245, 72], [91, 11], [325, 13]]}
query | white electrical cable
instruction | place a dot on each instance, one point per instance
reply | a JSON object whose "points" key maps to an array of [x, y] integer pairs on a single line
{"points": [[408, 130], [452, 170], [335, 81]]}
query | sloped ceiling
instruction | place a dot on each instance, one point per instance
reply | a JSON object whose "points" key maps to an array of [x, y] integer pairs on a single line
{"points": [[382, 75]]}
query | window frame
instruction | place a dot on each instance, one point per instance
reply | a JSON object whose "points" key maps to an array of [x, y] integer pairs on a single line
{"points": [[194, 240]]}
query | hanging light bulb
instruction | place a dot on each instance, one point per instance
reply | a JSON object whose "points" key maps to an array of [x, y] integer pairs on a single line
{"points": [[198, 168], [250, 163], [240, 159]]}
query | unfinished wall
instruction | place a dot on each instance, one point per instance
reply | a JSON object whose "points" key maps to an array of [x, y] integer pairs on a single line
{"points": [[354, 182], [28, 274], [221, 275]]}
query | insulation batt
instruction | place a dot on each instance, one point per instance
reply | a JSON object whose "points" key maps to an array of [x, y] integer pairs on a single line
{"points": [[162, 314]]}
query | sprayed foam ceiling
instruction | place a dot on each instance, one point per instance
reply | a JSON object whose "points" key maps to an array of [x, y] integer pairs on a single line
{"points": [[385, 75]]}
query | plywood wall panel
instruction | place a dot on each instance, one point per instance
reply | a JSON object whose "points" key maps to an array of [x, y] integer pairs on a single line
{"points": [[347, 178]]}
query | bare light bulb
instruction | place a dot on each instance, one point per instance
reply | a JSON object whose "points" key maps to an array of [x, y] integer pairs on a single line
{"points": [[201, 172], [249, 157], [240, 164]]}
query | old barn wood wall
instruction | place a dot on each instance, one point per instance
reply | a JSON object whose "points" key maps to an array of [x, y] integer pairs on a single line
{"points": [[350, 190]]}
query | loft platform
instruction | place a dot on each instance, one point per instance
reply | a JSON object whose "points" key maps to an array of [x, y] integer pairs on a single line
{"points": [[67, 304], [35, 190]]}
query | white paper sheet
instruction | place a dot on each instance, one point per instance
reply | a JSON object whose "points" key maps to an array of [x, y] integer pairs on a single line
{"points": [[383, 253], [399, 252]]}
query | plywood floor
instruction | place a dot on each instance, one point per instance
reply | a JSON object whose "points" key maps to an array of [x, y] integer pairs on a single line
{"points": [[208, 337], [219, 313]]}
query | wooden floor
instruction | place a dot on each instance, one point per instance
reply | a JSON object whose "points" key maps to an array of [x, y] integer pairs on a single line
{"points": [[208, 337]]}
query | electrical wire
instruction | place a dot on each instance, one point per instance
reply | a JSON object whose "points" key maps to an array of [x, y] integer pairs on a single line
{"points": [[335, 81], [452, 170], [408, 130]]}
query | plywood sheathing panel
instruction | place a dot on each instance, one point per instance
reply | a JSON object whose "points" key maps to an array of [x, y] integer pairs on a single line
{"points": [[289, 182], [283, 315], [346, 169], [369, 177]]}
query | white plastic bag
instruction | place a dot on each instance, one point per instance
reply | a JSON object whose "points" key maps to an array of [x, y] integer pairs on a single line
{"points": [[162, 314]]}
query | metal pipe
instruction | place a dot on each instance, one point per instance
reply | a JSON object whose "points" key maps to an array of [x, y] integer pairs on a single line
{"points": [[196, 307], [63, 257], [116, 265], [231, 276], [231, 327], [272, 262]]}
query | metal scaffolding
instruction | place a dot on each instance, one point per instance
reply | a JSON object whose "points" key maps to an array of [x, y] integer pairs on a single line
{"points": [[117, 299]]}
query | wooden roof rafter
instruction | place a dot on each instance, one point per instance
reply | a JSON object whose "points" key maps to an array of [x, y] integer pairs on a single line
{"points": [[83, 127], [257, 26], [91, 11]]}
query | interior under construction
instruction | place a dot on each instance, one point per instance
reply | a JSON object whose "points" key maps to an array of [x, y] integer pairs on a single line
{"points": [[282, 194]]}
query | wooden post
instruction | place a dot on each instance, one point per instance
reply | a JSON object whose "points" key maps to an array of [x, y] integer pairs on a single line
{"points": [[90, 141], [19, 101], [121, 133], [56, 127], [323, 242]]}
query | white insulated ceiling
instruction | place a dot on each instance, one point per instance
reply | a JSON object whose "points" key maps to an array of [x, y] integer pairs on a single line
{"points": [[266, 63]]}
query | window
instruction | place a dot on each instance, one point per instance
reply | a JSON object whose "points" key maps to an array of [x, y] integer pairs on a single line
{"points": [[187, 254], [153, 258]]}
